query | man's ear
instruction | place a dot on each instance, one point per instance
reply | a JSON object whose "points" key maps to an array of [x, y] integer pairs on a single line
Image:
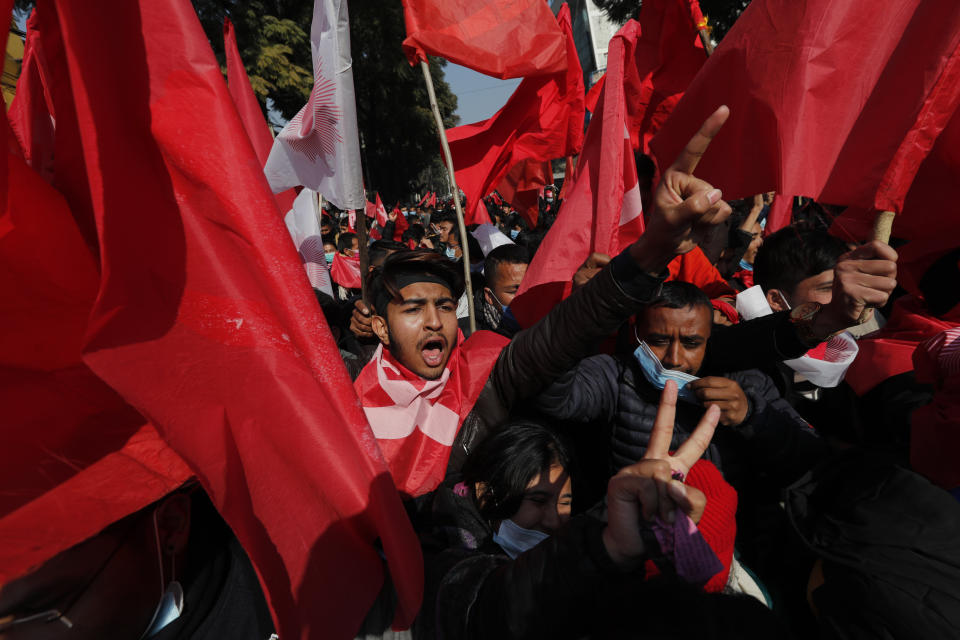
{"points": [[775, 300], [489, 296], [379, 326], [173, 523]]}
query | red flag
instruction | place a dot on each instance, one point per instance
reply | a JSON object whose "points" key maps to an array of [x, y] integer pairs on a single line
{"points": [[522, 185], [835, 100], [501, 38], [210, 328], [432, 202], [31, 112], [593, 96], [602, 211], [780, 214], [249, 108], [400, 225], [345, 271], [377, 211], [542, 120]]}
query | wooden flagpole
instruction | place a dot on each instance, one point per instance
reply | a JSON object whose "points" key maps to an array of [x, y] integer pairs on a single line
{"points": [[883, 225], [464, 245], [364, 257]]}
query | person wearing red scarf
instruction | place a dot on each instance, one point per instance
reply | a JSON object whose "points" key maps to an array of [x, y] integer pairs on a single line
{"points": [[431, 396]]}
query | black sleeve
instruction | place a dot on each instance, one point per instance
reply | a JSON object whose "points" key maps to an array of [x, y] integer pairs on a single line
{"points": [[755, 344], [585, 393], [552, 591]]}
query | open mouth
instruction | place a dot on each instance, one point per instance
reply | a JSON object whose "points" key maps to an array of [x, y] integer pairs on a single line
{"points": [[432, 352]]}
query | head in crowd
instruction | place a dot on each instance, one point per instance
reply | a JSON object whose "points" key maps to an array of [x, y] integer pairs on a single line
{"points": [[504, 268], [415, 302], [415, 233], [795, 266], [445, 223], [646, 171], [329, 248], [109, 586], [326, 225], [379, 251], [676, 326], [515, 225], [348, 244], [522, 473], [940, 284], [750, 255], [344, 224]]}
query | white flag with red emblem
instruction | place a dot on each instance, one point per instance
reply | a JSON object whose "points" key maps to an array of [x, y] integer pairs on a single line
{"points": [[320, 148]]}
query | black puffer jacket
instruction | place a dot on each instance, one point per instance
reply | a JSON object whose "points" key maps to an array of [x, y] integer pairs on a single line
{"points": [[612, 391]]}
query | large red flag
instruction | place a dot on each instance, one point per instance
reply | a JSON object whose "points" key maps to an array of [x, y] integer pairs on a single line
{"points": [[205, 322], [834, 99], [31, 112], [522, 186], [501, 38], [669, 54], [602, 210], [249, 108], [542, 120]]}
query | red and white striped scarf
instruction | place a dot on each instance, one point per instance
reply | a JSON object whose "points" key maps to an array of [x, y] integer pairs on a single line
{"points": [[415, 420]]}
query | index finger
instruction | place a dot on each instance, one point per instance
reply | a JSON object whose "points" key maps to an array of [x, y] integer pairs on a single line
{"points": [[874, 250], [688, 159], [662, 434]]}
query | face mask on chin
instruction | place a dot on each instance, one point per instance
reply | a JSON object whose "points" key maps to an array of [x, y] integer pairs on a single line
{"points": [[503, 307], [514, 539], [657, 375], [450, 252], [514, 233]]}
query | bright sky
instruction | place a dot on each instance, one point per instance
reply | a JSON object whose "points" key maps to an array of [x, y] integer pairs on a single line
{"points": [[478, 96]]}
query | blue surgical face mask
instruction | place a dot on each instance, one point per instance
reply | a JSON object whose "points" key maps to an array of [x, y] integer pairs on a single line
{"points": [[514, 233], [450, 252], [656, 375], [514, 539], [745, 265], [329, 256], [503, 307]]}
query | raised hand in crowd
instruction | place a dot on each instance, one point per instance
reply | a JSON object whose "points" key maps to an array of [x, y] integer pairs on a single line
{"points": [[648, 488], [723, 393], [684, 205], [361, 321], [593, 265]]}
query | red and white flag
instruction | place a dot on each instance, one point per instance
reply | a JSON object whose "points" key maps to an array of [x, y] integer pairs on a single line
{"points": [[304, 230], [320, 148], [602, 210]]}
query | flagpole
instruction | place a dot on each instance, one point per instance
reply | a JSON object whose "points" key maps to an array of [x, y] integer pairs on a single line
{"points": [[451, 177], [362, 243], [883, 225]]}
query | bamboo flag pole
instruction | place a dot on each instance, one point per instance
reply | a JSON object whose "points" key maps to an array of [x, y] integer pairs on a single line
{"points": [[464, 245], [704, 30], [883, 225]]}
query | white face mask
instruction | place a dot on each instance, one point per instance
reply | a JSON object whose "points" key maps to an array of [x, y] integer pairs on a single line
{"points": [[514, 539], [657, 375]]}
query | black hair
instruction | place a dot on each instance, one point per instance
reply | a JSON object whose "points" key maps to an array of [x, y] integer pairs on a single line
{"points": [[380, 249], [329, 239], [677, 294], [504, 254], [646, 168], [503, 465], [792, 254], [939, 284], [345, 241], [415, 232], [383, 283]]}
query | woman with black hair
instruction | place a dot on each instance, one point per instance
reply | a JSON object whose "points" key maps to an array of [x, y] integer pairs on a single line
{"points": [[505, 558]]}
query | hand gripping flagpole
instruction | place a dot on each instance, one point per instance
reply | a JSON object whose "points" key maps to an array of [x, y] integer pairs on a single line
{"points": [[464, 245]]}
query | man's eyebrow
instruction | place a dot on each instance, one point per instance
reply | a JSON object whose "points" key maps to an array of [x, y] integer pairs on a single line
{"points": [[415, 301], [692, 336], [659, 335]]}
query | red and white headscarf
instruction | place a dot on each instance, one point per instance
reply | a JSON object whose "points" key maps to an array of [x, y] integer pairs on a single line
{"points": [[416, 421]]}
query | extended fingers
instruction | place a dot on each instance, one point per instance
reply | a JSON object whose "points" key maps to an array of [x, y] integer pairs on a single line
{"points": [[688, 159], [874, 250], [692, 449], [662, 434]]}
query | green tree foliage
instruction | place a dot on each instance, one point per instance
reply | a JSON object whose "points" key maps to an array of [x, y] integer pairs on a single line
{"points": [[396, 125], [722, 13]]}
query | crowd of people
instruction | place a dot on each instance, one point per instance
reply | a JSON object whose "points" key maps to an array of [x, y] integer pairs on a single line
{"points": [[672, 451]]}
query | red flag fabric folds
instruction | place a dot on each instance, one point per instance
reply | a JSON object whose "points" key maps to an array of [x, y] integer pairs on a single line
{"points": [[542, 120], [522, 186], [205, 322], [346, 271], [501, 38], [835, 100], [31, 112], [248, 107], [602, 209]]}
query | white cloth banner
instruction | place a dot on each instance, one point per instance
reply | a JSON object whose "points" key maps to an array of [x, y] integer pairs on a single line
{"points": [[304, 229], [826, 372], [320, 147]]}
